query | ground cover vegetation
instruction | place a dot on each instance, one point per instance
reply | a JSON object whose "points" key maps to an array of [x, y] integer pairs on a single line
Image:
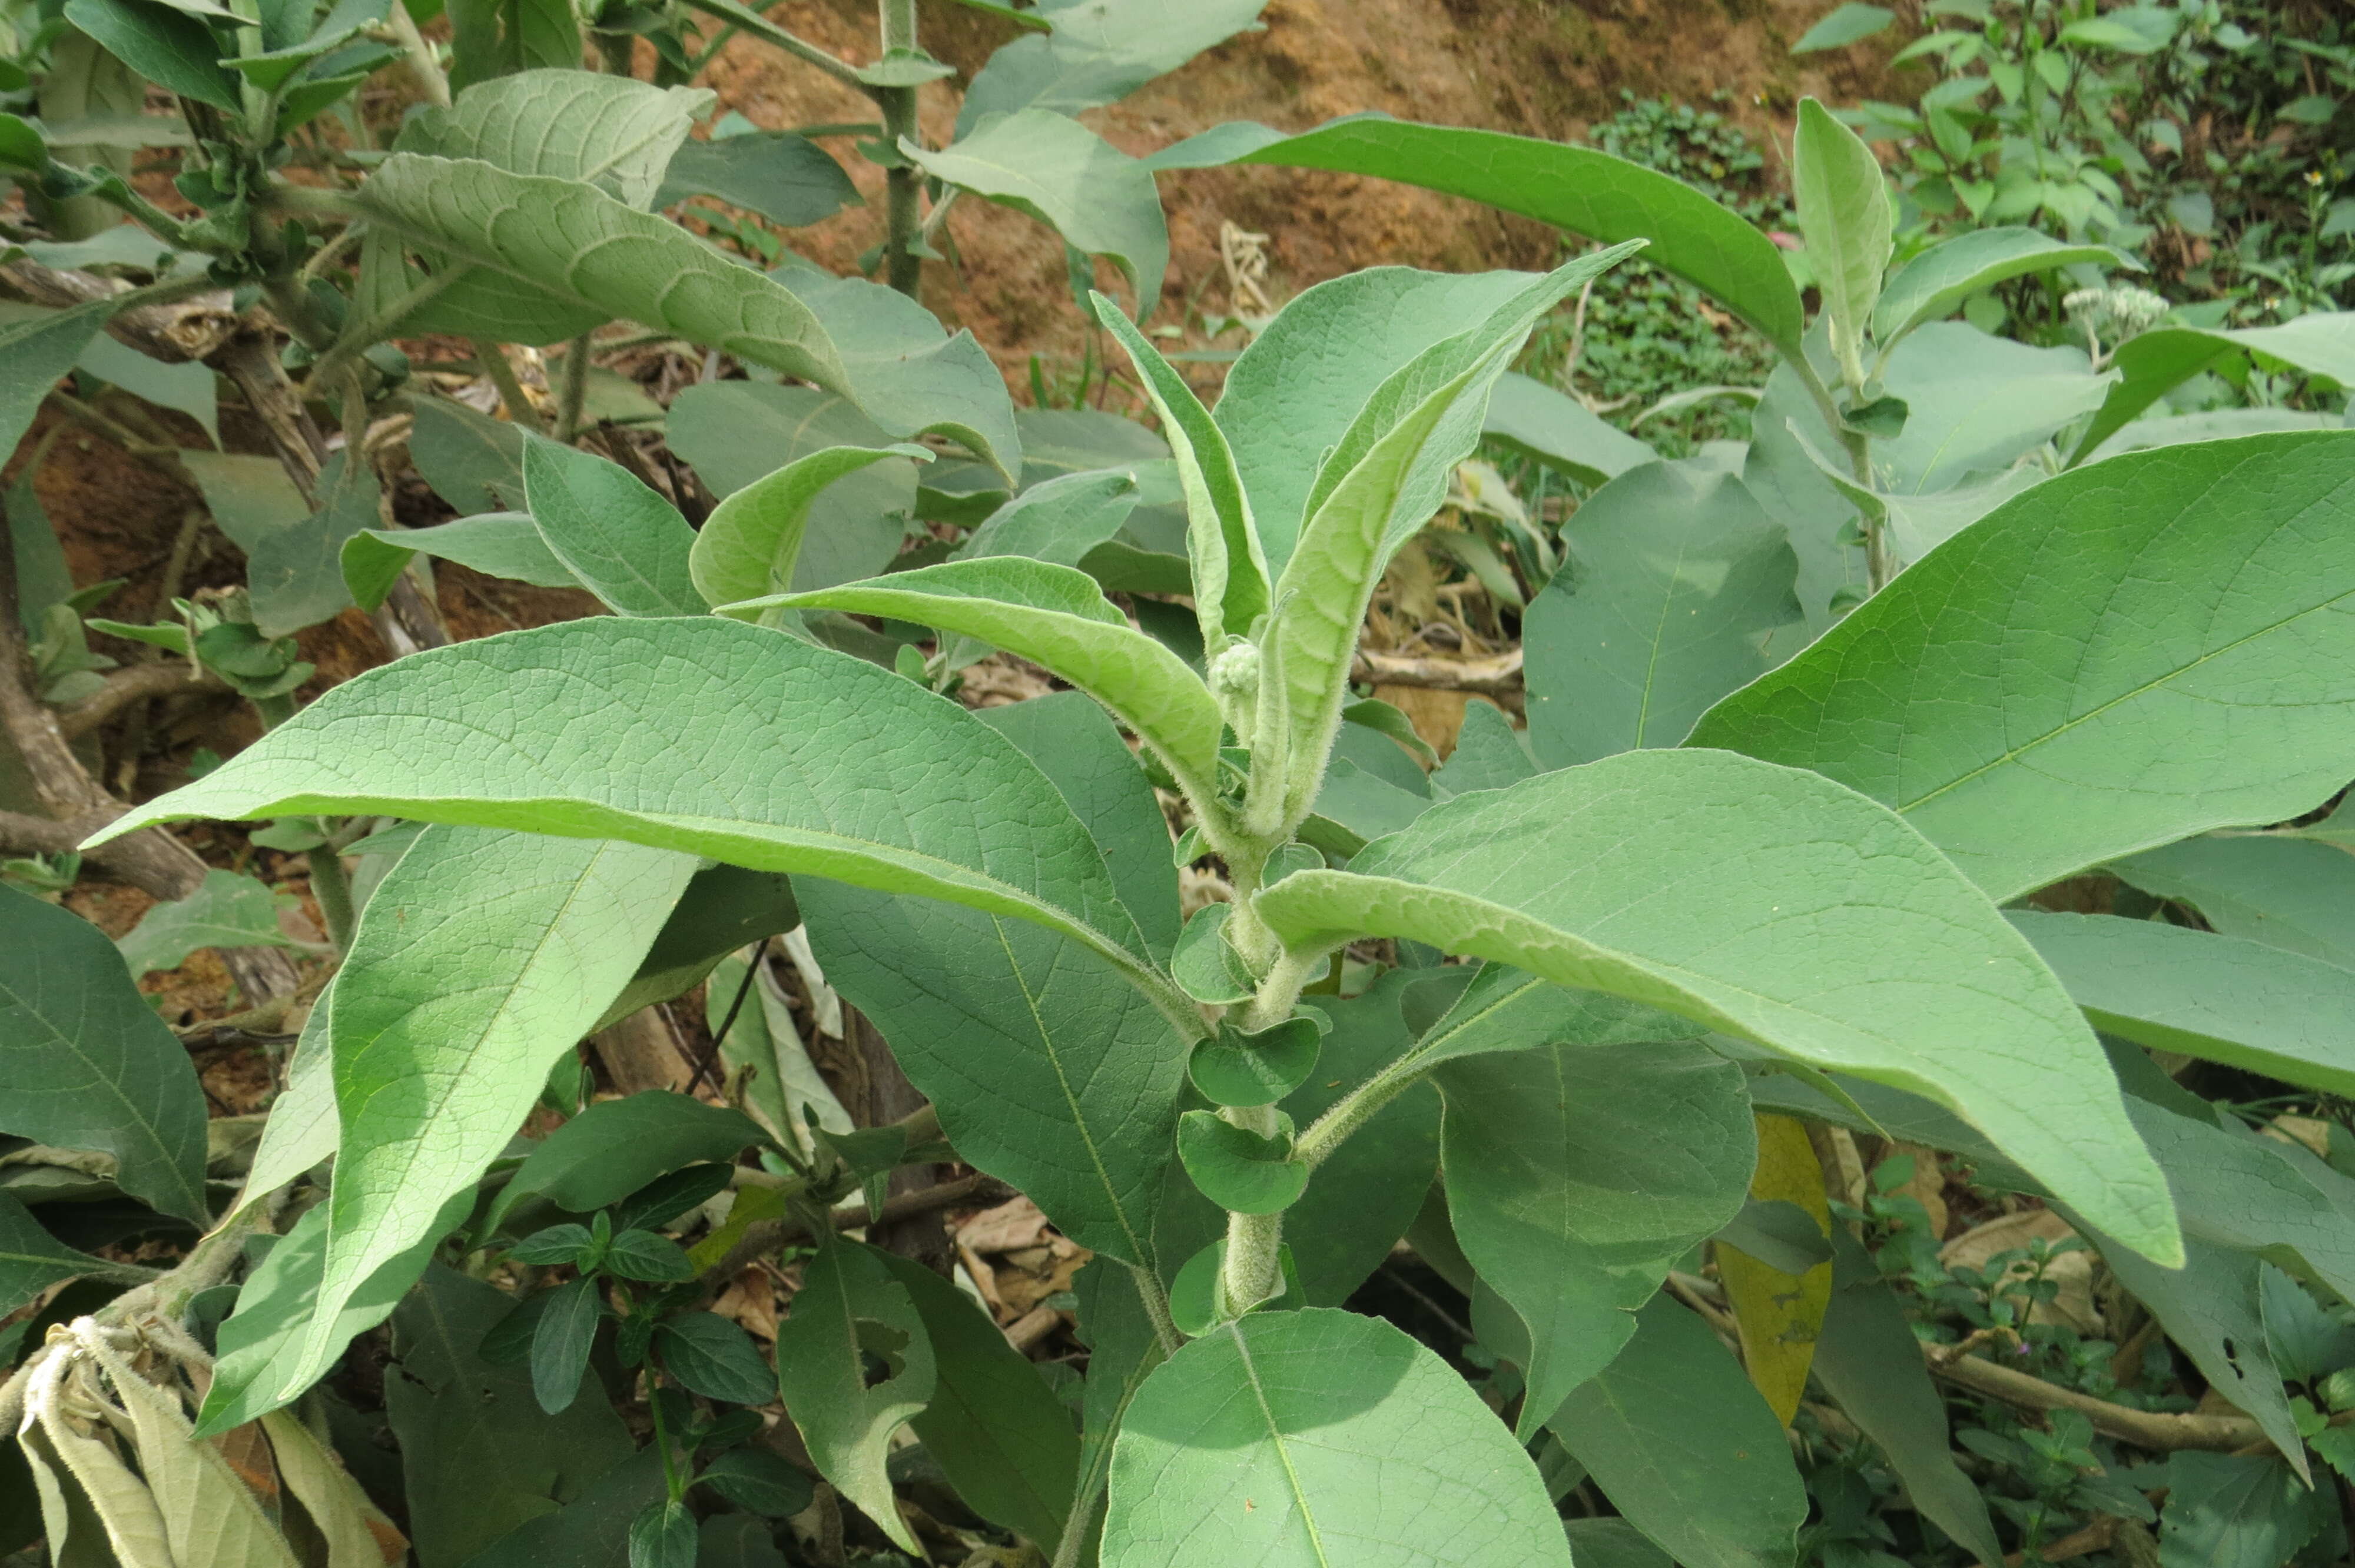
{"points": [[1843, 1061]]}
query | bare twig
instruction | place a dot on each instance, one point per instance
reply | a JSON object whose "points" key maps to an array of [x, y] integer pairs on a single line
{"points": [[2144, 1428], [175, 332], [1497, 672], [768, 1235], [132, 684]]}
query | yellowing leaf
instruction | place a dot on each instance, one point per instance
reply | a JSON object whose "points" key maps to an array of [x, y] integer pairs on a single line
{"points": [[1780, 1315]]}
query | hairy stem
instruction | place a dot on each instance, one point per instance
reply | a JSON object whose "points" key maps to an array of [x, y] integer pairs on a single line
{"points": [[502, 374], [903, 182], [417, 55], [332, 886], [573, 392]]}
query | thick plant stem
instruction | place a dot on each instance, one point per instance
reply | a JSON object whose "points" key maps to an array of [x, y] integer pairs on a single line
{"points": [[419, 56], [903, 182], [332, 886], [1879, 566], [1255, 1267]]}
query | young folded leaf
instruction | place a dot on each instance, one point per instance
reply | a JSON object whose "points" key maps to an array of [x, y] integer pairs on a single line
{"points": [[1230, 575], [1357, 519], [1843, 216], [1773, 905]]}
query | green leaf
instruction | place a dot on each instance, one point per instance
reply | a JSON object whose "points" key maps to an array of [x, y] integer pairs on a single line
{"points": [[1004, 1440], [1048, 1070], [761, 1480], [1869, 1360], [1676, 580], [1977, 405], [1297, 385], [2194, 599], [1844, 216], [1223, 542], [1685, 1448], [1205, 965], [479, 1458], [1093, 768], [188, 387], [1612, 1543], [90, 1065], [480, 957], [2234, 1510], [1771, 904], [2248, 1005], [1605, 199], [491, 38], [787, 179], [1844, 24], [171, 49], [2210, 1310], [1576, 1175], [716, 1359], [491, 734], [226, 911], [2219, 424], [850, 1308], [1317, 1437], [496, 544], [2298, 894], [1358, 515], [1061, 519], [724, 908], [31, 1259], [664, 1536], [592, 1531], [584, 247], [1097, 55], [752, 543], [625, 543], [1489, 754], [473, 461], [645, 1256], [1232, 1068], [302, 1131], [1556, 428], [615, 1147], [1935, 283], [559, 1346], [1058, 618], [2152, 364], [1237, 1169], [1102, 201], [735, 432]]}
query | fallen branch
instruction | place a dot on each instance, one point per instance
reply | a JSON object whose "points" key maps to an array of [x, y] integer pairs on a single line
{"points": [[173, 331], [767, 1235], [2155, 1430], [1489, 675], [134, 684]]}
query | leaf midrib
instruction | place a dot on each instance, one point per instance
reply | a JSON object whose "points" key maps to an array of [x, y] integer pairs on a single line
{"points": [[1283, 1452]]}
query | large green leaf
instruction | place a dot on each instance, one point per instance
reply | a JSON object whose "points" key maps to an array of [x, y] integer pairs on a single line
{"points": [[1770, 904], [625, 543], [850, 1309], [31, 1259], [1785, 473], [481, 957], [1004, 1439], [1576, 1175], [600, 728], [1099, 51], [2121, 656], [1058, 618], [1937, 283], [1222, 543], [585, 246], [1845, 218], [1555, 427], [1297, 385], [260, 1346], [1676, 582], [90, 1065], [1366, 1191], [736, 433], [171, 48], [1101, 200], [1320, 1437], [226, 910], [1869, 1360], [752, 543], [615, 1147], [2235, 1510], [1361, 511], [787, 179], [2298, 894], [1975, 405], [1685, 1448], [2243, 1003], [2152, 364], [496, 544], [491, 38], [479, 1458], [1692, 234]]}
